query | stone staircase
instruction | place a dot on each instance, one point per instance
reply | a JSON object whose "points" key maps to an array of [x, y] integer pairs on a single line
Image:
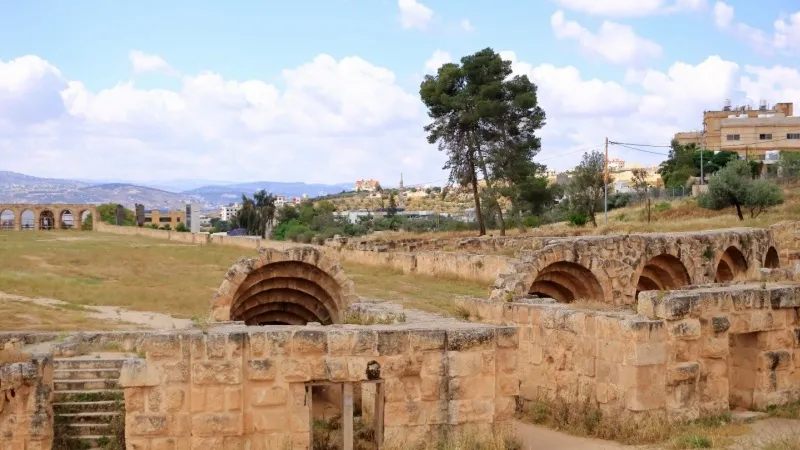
{"points": [[88, 399]]}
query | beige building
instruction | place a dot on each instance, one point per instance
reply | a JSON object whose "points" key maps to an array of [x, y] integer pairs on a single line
{"points": [[749, 132]]}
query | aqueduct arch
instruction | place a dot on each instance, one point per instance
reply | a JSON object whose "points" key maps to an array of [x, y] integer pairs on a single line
{"points": [[291, 287], [22, 216], [565, 282], [662, 272], [731, 264], [771, 259]]}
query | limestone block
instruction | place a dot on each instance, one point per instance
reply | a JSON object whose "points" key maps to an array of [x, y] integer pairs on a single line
{"points": [[464, 364], [203, 443], [406, 365], [392, 342], [268, 396], [645, 354], [177, 372], [464, 388], [134, 400], [217, 424], [645, 398], [162, 346], [474, 339], [713, 347], [504, 408], [261, 369], [432, 387], [146, 424], [216, 346], [474, 410], [336, 368], [268, 344], [683, 372], [295, 370], [224, 372], [309, 342], [507, 337], [403, 414], [138, 373], [174, 399], [684, 329], [508, 385], [427, 340]]}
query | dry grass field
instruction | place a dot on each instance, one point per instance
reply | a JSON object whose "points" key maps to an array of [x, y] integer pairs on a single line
{"points": [[146, 274]]}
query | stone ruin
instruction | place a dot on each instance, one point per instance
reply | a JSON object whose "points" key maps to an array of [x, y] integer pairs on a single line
{"points": [[679, 326]]}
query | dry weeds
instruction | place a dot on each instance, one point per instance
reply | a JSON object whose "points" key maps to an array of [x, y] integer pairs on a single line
{"points": [[585, 419], [26, 316]]}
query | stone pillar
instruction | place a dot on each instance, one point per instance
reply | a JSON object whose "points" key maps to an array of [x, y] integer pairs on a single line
{"points": [[57, 220], [95, 219], [17, 219], [37, 217]]}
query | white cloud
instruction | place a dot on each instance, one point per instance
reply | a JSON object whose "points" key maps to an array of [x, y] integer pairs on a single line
{"points": [[334, 120], [414, 14], [784, 37], [144, 62], [614, 42], [467, 26], [437, 60], [631, 8]]}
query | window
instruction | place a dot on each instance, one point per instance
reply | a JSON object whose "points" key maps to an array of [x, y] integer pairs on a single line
{"points": [[733, 137], [165, 219], [793, 136], [765, 136]]}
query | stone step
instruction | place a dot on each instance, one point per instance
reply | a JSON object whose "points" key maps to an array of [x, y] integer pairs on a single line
{"points": [[85, 374], [89, 396], [85, 385], [89, 429], [88, 417], [92, 442], [84, 363], [96, 406]]}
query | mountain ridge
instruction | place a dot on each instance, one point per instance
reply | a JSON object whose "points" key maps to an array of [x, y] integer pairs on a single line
{"points": [[23, 188]]}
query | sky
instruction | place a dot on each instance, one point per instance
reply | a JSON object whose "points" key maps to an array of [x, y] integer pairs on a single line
{"points": [[327, 91]]}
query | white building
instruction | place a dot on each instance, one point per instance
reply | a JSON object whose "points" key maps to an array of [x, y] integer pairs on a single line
{"points": [[616, 164], [228, 212]]}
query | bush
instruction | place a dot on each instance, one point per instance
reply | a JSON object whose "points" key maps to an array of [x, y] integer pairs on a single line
{"points": [[662, 206], [182, 228], [577, 219]]}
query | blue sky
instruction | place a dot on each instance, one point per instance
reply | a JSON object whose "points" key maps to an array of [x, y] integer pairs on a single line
{"points": [[160, 118]]}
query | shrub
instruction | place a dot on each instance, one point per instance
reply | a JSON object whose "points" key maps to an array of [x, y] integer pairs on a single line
{"points": [[577, 219]]}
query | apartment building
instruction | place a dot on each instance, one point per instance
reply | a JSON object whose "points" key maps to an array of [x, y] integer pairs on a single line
{"points": [[750, 132], [163, 217]]}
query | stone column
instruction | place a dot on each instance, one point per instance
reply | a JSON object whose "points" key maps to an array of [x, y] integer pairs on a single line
{"points": [[57, 220], [37, 217], [17, 219]]}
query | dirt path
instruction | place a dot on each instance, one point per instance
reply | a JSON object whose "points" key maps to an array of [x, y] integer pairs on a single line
{"points": [[539, 438], [113, 313]]}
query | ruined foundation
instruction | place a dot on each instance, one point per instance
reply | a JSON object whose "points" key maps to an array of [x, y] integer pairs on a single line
{"points": [[680, 326]]}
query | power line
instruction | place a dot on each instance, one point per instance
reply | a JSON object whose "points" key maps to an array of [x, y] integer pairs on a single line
{"points": [[639, 145], [640, 149]]}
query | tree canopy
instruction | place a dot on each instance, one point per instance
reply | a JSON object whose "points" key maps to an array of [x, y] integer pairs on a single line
{"points": [[486, 120], [684, 162], [587, 185], [734, 186]]}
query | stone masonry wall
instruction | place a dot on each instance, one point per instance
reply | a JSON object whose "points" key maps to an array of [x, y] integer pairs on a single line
{"points": [[736, 345], [246, 385], [787, 238], [26, 409], [605, 357], [616, 262]]}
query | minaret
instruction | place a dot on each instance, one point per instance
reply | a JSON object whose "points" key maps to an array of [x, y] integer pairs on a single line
{"points": [[400, 201]]}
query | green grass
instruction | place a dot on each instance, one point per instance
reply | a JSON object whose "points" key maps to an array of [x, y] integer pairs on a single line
{"points": [[426, 293], [147, 274]]}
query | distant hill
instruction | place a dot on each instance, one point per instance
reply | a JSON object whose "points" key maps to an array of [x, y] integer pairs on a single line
{"points": [[20, 188], [222, 195]]}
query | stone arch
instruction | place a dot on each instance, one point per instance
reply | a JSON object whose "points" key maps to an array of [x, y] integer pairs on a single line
{"points": [[7, 219], [771, 259], [291, 287], [28, 219], [565, 282], [662, 272], [47, 220], [731, 264], [67, 219], [83, 219]]}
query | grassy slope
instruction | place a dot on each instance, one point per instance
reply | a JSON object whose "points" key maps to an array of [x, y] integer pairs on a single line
{"points": [[155, 275]]}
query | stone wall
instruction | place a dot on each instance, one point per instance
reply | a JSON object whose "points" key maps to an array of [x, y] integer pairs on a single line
{"points": [[484, 268], [53, 211], [195, 238], [787, 239], [246, 386], [613, 269], [26, 404], [726, 347], [686, 354]]}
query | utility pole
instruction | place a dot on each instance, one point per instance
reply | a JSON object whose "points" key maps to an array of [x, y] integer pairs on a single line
{"points": [[702, 150], [605, 185]]}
